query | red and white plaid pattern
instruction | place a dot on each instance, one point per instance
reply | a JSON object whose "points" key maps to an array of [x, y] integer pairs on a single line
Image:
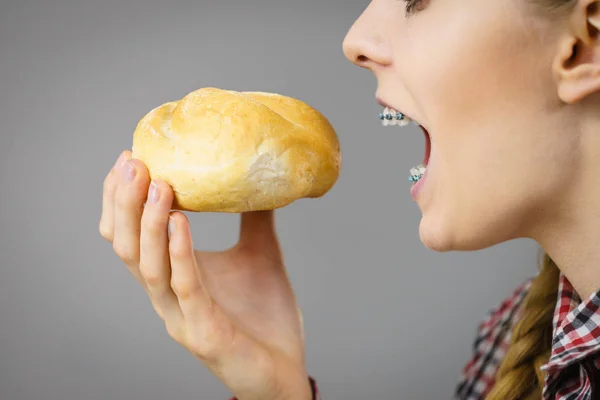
{"points": [[490, 346], [573, 371]]}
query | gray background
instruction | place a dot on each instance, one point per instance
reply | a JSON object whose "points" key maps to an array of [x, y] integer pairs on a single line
{"points": [[385, 317]]}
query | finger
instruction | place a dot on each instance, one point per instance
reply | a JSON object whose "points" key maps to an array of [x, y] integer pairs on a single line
{"points": [[186, 279], [106, 224], [155, 263], [257, 228], [130, 196]]}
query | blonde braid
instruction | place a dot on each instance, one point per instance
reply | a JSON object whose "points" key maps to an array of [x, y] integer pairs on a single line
{"points": [[519, 376]]}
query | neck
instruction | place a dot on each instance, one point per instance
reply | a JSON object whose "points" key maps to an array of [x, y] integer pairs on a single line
{"points": [[576, 251], [570, 234]]}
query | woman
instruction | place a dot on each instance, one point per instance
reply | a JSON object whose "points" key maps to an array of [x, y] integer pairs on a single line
{"points": [[509, 93]]}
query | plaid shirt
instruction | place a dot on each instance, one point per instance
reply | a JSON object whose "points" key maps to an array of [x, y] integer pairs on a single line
{"points": [[573, 371]]}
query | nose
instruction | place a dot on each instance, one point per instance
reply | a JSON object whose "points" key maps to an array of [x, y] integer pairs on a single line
{"points": [[365, 43]]}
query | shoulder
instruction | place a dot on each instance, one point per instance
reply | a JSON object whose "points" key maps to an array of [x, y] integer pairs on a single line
{"points": [[491, 343]]}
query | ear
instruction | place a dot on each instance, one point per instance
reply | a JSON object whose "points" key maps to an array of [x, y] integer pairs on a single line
{"points": [[577, 66]]}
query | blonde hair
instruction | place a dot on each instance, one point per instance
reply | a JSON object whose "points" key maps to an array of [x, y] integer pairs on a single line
{"points": [[519, 376]]}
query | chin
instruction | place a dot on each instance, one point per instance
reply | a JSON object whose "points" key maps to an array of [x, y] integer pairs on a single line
{"points": [[440, 235], [433, 236]]}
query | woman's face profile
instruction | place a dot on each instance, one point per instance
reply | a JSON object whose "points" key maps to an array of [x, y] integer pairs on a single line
{"points": [[481, 76]]}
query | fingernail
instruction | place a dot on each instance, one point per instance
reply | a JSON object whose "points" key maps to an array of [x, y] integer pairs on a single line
{"points": [[120, 161], [171, 226], [153, 193], [128, 172]]}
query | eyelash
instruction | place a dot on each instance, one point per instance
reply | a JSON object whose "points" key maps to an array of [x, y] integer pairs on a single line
{"points": [[410, 6]]}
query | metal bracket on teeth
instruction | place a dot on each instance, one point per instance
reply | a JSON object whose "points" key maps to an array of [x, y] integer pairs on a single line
{"points": [[414, 178], [398, 116]]}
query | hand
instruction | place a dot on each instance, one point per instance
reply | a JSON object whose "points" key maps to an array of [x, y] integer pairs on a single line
{"points": [[234, 310]]}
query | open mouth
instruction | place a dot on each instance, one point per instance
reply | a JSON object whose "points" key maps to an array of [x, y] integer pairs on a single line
{"points": [[391, 117]]}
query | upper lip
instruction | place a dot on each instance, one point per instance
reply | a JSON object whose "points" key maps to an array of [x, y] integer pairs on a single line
{"points": [[382, 103]]}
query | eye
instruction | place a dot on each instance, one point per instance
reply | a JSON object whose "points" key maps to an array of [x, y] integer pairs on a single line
{"points": [[412, 5]]}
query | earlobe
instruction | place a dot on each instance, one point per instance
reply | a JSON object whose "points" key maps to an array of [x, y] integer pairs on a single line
{"points": [[577, 66]]}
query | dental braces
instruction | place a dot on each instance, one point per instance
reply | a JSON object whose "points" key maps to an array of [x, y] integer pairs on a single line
{"points": [[389, 116], [417, 173]]}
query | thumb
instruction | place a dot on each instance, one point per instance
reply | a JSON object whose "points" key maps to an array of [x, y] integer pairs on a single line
{"points": [[257, 227]]}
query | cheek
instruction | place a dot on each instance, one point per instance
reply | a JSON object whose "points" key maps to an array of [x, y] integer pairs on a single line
{"points": [[490, 185], [479, 66], [471, 99], [478, 89]]}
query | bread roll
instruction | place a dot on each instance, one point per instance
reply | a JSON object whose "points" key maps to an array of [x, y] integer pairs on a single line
{"points": [[228, 151]]}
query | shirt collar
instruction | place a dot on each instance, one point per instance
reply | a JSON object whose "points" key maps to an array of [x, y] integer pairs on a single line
{"points": [[576, 327]]}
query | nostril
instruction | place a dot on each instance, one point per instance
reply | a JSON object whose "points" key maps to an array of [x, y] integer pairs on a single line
{"points": [[362, 59]]}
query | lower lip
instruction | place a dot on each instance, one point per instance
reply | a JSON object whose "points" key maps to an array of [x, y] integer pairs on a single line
{"points": [[417, 187]]}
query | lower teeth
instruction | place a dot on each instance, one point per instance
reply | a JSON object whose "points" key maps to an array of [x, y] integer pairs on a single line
{"points": [[417, 173]]}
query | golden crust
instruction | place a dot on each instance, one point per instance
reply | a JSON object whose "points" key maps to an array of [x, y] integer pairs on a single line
{"points": [[228, 151]]}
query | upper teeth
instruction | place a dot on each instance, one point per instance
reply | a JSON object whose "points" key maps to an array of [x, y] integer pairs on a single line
{"points": [[389, 116]]}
